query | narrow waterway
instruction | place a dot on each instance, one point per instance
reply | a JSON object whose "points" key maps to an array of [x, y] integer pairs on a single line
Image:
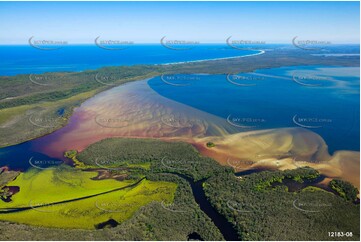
{"points": [[225, 227]]}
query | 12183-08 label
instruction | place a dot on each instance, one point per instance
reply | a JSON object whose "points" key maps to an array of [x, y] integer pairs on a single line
{"points": [[340, 234]]}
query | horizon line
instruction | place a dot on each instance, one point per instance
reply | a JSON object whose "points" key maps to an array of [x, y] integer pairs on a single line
{"points": [[199, 43]]}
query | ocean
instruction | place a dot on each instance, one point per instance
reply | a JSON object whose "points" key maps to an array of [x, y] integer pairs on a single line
{"points": [[25, 59]]}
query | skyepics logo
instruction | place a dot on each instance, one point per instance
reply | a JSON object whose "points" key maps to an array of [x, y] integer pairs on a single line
{"points": [[239, 206], [44, 164], [309, 44], [112, 44], [112, 206], [272, 159], [245, 122], [69, 176], [311, 122], [42, 79], [173, 207], [179, 80], [244, 44], [179, 121], [108, 162], [308, 80], [45, 207], [178, 44], [178, 164], [112, 121], [244, 80], [308, 205], [46, 44], [304, 163], [107, 79], [276, 155], [237, 164], [45, 120]]}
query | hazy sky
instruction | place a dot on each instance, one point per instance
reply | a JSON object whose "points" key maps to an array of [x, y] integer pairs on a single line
{"points": [[146, 22]]}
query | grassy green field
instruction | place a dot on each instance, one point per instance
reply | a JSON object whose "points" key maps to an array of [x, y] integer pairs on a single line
{"points": [[39, 189], [55, 185]]}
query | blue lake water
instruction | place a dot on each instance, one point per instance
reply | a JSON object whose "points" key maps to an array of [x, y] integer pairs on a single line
{"points": [[322, 99], [22, 157], [29, 60]]}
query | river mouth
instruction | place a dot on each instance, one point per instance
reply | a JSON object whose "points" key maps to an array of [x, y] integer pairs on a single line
{"points": [[136, 110]]}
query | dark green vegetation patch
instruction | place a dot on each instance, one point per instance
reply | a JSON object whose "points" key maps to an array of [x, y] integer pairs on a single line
{"points": [[262, 211], [258, 206], [344, 189]]}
